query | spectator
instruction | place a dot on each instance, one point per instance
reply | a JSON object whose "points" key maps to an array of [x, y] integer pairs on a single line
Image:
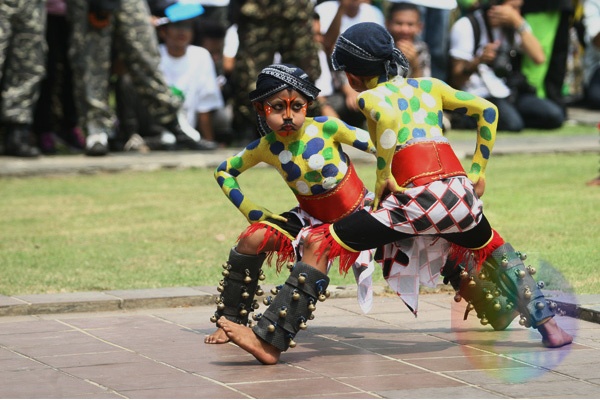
{"points": [[337, 16], [484, 57], [404, 24], [55, 115], [97, 25], [22, 51], [266, 27], [591, 56]]}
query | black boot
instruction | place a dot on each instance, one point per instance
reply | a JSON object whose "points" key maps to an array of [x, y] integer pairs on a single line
{"points": [[482, 295], [240, 284], [16, 141], [293, 305], [185, 141], [505, 267]]}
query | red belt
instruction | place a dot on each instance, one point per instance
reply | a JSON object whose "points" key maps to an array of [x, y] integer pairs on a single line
{"points": [[337, 203], [424, 162]]}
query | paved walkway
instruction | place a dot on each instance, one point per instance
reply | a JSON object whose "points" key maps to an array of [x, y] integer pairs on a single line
{"points": [[149, 343]]}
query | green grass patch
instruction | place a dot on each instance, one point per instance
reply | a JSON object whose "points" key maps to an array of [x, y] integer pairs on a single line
{"points": [[166, 228]]}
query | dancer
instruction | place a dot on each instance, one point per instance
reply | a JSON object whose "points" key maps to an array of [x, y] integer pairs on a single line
{"points": [[421, 191], [308, 154]]}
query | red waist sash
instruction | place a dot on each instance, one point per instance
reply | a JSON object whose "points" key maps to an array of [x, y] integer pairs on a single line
{"points": [[424, 162], [337, 203]]}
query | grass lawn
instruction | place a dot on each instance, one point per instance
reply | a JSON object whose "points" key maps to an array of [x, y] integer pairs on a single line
{"points": [[168, 228]]}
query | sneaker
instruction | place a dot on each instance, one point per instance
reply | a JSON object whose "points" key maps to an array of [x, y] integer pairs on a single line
{"points": [[96, 144], [47, 143], [75, 138], [136, 143]]}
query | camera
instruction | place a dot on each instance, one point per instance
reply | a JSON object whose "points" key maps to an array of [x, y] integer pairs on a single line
{"points": [[502, 64]]}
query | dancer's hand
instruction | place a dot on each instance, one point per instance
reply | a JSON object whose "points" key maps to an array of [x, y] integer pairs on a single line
{"points": [[385, 187]]}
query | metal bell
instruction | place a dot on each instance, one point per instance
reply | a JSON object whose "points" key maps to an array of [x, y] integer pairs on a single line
{"points": [[259, 292], [327, 293], [311, 316], [245, 295], [290, 266], [504, 262], [261, 276], [531, 270], [552, 305], [283, 312], [523, 321], [520, 273], [497, 306], [213, 319], [457, 297], [292, 344], [464, 274], [247, 279], [509, 306], [302, 324], [484, 320], [472, 282], [482, 276], [541, 284], [220, 288], [302, 278], [540, 305], [311, 306], [470, 306], [527, 293], [322, 297], [255, 305], [296, 295], [257, 317], [522, 256], [221, 306], [226, 266], [274, 290], [271, 328], [243, 312], [225, 273], [267, 300]]}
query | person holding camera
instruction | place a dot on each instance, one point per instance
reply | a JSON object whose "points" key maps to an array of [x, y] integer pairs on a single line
{"points": [[485, 55]]}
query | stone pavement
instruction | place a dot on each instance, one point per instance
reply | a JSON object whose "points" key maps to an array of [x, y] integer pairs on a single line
{"points": [[388, 353]]}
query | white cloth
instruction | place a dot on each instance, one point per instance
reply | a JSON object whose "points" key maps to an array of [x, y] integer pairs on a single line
{"points": [[325, 80], [366, 13], [442, 4], [484, 83], [591, 56], [193, 74], [232, 42]]}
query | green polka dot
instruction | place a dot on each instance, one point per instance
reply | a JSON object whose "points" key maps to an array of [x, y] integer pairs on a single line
{"points": [[330, 128], [377, 116], [231, 183], [403, 135], [432, 118], [327, 153], [237, 162], [313, 176], [486, 133], [271, 138], [415, 104], [380, 163], [392, 88], [426, 86], [297, 148], [406, 118], [387, 100], [475, 169], [460, 95], [476, 116]]}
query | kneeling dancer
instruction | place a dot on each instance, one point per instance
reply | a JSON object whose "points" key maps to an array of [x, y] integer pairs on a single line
{"points": [[421, 190]]}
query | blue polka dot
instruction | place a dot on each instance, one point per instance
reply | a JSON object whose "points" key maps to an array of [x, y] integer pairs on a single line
{"points": [[317, 189], [461, 110], [222, 166], [236, 197], [253, 145], [220, 181], [489, 115], [419, 132], [413, 82], [234, 172], [321, 118], [276, 148], [360, 145], [361, 103], [402, 104], [292, 170], [440, 118], [329, 171], [485, 151], [314, 146], [255, 215], [352, 128]]}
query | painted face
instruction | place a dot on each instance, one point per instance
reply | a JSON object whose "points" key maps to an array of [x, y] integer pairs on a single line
{"points": [[285, 112]]}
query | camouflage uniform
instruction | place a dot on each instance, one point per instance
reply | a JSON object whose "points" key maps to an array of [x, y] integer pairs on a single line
{"points": [[22, 58], [264, 28], [136, 44]]}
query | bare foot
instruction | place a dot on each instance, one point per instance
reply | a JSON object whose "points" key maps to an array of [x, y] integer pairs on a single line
{"points": [[247, 340], [218, 337], [553, 335]]}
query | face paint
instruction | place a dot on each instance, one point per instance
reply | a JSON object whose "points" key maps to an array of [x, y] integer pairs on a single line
{"points": [[285, 113]]}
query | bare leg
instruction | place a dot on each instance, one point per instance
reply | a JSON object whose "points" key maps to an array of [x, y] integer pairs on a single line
{"points": [[244, 337], [553, 335], [217, 337]]}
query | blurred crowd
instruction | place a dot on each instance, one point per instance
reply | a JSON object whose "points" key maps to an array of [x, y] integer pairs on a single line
{"points": [[102, 76]]}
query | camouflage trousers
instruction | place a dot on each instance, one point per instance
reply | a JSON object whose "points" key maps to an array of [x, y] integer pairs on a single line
{"points": [[259, 41], [22, 58], [92, 54]]}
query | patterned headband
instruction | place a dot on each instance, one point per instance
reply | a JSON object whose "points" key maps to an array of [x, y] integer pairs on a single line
{"points": [[277, 77]]}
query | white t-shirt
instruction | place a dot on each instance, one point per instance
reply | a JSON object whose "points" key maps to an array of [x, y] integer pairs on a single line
{"points": [[366, 13], [194, 74], [591, 56], [484, 83]]}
